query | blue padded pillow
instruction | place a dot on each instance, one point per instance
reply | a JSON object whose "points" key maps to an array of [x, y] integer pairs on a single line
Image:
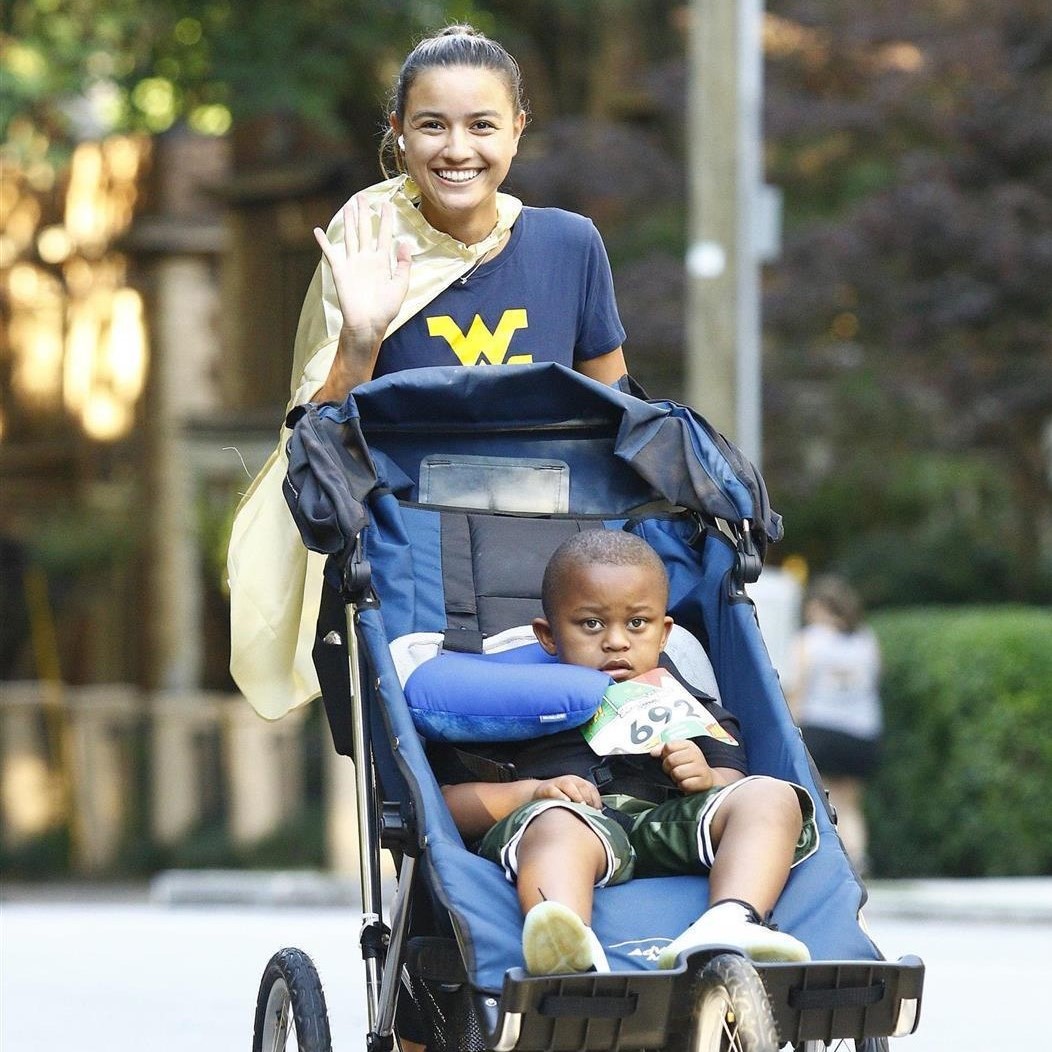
{"points": [[508, 696]]}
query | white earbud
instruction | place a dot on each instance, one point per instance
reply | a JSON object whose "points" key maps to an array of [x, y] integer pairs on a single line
{"points": [[401, 143]]}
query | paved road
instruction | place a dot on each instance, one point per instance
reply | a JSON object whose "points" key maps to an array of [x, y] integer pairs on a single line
{"points": [[141, 977]]}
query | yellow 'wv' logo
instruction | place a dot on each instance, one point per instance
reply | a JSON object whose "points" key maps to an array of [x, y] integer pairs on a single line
{"points": [[479, 346]]}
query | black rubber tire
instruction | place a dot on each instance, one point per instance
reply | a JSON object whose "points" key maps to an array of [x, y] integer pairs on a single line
{"points": [[290, 991], [731, 1012], [867, 1044]]}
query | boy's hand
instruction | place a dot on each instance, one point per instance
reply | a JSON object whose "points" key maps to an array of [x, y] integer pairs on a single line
{"points": [[683, 762], [568, 787]]}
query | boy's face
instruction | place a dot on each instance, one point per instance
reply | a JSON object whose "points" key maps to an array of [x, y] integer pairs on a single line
{"points": [[608, 617]]}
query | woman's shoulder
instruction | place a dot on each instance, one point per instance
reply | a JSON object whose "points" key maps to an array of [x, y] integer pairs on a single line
{"points": [[557, 222]]}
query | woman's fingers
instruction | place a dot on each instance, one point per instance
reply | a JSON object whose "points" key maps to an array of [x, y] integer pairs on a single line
{"points": [[365, 227], [386, 223], [350, 227]]}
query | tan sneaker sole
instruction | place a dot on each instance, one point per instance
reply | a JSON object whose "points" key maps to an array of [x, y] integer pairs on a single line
{"points": [[555, 941]]}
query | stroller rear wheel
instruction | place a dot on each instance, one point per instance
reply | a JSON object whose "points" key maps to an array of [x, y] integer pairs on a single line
{"points": [[291, 1005], [868, 1044], [731, 1010]]}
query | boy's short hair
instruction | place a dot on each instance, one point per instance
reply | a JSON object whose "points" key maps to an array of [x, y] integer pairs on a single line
{"points": [[598, 547]]}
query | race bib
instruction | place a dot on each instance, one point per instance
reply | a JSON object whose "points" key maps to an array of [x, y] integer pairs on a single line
{"points": [[643, 712]]}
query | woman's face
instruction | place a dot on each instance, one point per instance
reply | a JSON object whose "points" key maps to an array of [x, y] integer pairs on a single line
{"points": [[461, 131]]}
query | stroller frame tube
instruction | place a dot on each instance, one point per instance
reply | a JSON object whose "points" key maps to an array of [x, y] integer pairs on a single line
{"points": [[399, 917], [381, 982], [368, 840]]}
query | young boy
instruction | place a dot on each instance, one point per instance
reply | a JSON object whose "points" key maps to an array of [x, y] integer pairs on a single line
{"points": [[686, 807]]}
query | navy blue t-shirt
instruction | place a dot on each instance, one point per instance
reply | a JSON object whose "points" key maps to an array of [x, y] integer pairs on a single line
{"points": [[547, 297]]}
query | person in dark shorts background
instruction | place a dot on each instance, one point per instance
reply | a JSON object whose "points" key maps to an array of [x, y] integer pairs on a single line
{"points": [[834, 681]]}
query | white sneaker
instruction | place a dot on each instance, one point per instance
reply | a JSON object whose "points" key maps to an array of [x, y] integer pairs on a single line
{"points": [[728, 924], [555, 941]]}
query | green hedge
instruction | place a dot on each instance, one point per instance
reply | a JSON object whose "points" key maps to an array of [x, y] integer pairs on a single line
{"points": [[965, 788]]}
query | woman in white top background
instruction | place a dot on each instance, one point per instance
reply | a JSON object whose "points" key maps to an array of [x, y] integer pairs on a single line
{"points": [[834, 681]]}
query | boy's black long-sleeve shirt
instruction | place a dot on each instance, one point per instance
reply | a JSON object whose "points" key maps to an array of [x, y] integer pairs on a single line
{"points": [[567, 752]]}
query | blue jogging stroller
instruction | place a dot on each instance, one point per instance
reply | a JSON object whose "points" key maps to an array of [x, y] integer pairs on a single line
{"points": [[438, 496]]}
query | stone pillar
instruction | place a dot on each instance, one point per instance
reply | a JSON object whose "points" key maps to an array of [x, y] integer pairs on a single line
{"points": [[265, 765], [178, 247], [178, 721], [30, 798], [103, 722], [778, 597], [341, 813], [186, 306]]}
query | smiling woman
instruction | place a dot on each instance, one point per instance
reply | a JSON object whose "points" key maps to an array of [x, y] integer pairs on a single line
{"points": [[411, 244], [433, 266], [458, 143]]}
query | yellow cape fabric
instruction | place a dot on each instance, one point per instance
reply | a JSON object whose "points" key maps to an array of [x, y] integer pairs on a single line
{"points": [[275, 583]]}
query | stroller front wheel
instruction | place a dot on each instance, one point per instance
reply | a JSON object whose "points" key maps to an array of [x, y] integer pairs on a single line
{"points": [[291, 1005], [731, 1011]]}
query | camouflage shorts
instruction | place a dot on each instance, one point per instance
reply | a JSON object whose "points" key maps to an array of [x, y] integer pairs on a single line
{"points": [[643, 839]]}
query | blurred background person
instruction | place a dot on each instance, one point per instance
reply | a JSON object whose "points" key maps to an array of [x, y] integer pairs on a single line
{"points": [[833, 691]]}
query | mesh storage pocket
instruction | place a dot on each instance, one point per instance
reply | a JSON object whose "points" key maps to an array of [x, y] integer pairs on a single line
{"points": [[448, 1016], [438, 987]]}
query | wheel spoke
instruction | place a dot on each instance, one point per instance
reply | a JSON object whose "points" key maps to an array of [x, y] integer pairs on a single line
{"points": [[276, 1027], [281, 1034]]}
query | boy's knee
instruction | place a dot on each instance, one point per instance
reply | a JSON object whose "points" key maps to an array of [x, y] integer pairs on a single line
{"points": [[558, 825], [772, 798]]}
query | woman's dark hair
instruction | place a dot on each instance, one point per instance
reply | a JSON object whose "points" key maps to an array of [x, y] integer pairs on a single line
{"points": [[458, 45], [839, 598]]}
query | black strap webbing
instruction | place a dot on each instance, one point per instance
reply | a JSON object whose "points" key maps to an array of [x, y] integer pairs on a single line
{"points": [[561, 1006], [458, 574], [845, 997], [462, 641], [485, 769]]}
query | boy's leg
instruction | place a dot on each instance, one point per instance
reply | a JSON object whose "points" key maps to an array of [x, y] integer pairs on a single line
{"points": [[755, 834], [561, 859], [748, 835], [556, 854]]}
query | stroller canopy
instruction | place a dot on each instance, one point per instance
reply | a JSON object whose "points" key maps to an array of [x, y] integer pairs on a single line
{"points": [[669, 447]]}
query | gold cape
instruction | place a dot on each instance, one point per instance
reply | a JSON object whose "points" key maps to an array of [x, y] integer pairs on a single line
{"points": [[275, 583]]}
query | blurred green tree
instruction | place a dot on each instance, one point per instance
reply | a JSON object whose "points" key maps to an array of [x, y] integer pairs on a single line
{"points": [[909, 361], [908, 367], [82, 66]]}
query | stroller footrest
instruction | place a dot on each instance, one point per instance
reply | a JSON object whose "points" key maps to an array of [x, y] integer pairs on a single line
{"points": [[622, 1010], [827, 1000]]}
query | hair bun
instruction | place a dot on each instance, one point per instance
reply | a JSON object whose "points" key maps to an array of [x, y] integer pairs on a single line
{"points": [[460, 30]]}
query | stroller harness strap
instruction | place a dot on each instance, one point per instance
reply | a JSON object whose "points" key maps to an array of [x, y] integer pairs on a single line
{"points": [[458, 574], [486, 769], [492, 566]]}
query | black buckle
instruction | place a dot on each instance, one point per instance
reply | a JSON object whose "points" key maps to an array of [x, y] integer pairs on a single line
{"points": [[462, 640]]}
